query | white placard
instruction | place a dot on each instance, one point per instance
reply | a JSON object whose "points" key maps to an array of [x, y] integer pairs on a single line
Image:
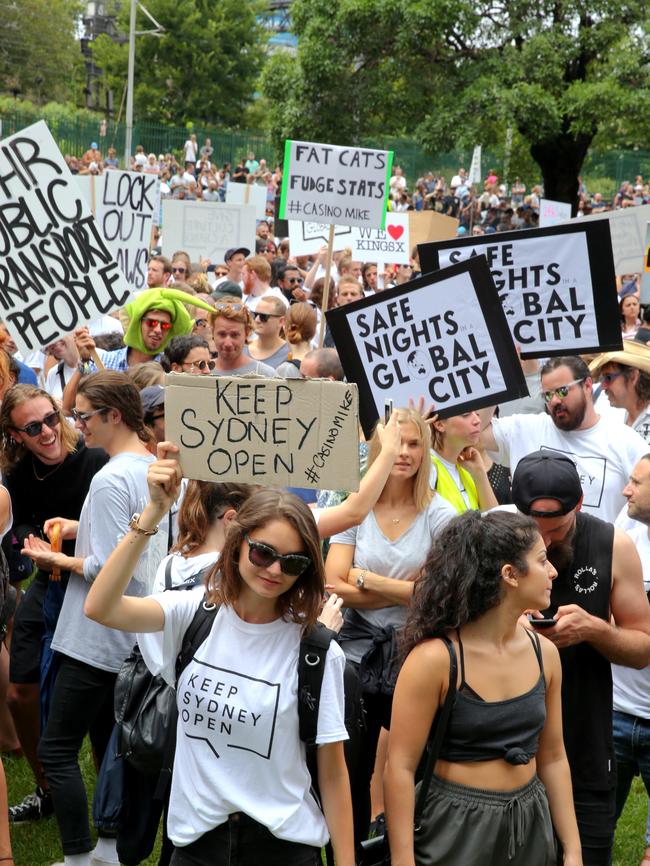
{"points": [[125, 209], [551, 213], [236, 194], [389, 245], [206, 229], [56, 270], [305, 239], [474, 175], [628, 227], [338, 185]]}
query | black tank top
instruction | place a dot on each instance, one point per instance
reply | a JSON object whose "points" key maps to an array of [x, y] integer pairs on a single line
{"points": [[586, 674], [481, 730]]}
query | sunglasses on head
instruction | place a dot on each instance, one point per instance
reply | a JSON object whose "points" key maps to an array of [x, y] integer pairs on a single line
{"points": [[34, 428], [263, 556], [226, 308], [156, 323], [264, 317]]}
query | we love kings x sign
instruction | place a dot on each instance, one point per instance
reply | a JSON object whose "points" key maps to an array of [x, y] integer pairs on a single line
{"points": [[391, 244]]}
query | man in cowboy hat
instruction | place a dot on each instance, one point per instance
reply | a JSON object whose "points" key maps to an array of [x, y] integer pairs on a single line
{"points": [[625, 378]]}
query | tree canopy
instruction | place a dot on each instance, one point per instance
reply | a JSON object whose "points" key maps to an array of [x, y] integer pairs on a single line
{"points": [[39, 54], [460, 73], [203, 67]]}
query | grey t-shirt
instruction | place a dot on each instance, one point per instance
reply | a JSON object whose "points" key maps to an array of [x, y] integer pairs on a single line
{"points": [[257, 367], [116, 492], [401, 559]]}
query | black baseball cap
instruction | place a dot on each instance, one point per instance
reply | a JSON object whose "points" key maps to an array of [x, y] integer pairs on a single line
{"points": [[233, 252], [546, 475], [152, 397]]}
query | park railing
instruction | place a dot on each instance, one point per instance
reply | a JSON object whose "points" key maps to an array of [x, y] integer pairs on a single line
{"points": [[603, 171]]}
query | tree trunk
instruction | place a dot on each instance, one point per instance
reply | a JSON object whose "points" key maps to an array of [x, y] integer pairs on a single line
{"points": [[561, 160]]}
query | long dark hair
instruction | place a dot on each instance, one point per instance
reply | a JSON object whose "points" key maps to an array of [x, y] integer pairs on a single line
{"points": [[461, 578], [302, 602]]}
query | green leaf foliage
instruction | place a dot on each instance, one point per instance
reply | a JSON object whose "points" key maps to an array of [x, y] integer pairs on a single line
{"points": [[203, 67], [460, 73]]}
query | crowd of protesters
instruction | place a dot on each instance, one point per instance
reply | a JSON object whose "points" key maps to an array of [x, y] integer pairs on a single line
{"points": [[542, 743]]}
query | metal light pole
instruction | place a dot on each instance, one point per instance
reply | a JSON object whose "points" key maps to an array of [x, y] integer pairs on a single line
{"points": [[129, 88]]}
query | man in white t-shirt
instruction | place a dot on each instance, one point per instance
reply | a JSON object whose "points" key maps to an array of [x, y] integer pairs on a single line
{"points": [[256, 276], [625, 378], [632, 687], [67, 361], [604, 450]]}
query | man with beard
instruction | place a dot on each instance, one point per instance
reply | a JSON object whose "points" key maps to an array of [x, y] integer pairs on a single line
{"points": [[599, 580], [604, 450]]}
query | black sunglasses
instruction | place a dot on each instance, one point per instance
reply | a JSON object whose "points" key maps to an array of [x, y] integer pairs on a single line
{"points": [[262, 555], [264, 317], [34, 427], [201, 365], [294, 279]]}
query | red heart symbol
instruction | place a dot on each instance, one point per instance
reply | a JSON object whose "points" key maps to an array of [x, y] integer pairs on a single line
{"points": [[395, 232]]}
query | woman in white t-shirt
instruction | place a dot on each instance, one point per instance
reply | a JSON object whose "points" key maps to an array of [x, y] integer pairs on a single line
{"points": [[460, 475], [373, 567], [240, 775]]}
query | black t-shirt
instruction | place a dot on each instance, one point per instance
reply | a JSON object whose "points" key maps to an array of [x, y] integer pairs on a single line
{"points": [[60, 493]]}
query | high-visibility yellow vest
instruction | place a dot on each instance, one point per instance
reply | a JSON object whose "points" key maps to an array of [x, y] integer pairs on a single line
{"points": [[448, 489]]}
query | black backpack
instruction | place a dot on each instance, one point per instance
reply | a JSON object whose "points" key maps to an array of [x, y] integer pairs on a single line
{"points": [[145, 705]]}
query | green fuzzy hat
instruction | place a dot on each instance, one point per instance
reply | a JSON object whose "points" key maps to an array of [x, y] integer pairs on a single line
{"points": [[172, 301]]}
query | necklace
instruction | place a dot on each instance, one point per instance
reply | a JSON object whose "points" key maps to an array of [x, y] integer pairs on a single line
{"points": [[47, 474], [395, 520]]}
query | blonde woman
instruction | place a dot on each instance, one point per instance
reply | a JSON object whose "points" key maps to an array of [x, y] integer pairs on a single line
{"points": [[373, 567]]}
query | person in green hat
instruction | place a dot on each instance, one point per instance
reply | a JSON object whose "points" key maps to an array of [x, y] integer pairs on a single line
{"points": [[155, 317]]}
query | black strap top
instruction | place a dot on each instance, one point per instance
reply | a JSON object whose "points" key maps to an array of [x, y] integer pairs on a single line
{"points": [[481, 730]]}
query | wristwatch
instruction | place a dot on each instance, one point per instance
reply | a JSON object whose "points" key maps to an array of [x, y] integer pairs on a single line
{"points": [[361, 579], [134, 524]]}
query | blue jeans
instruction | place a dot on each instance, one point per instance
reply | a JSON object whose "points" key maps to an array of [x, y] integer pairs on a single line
{"points": [[632, 747]]}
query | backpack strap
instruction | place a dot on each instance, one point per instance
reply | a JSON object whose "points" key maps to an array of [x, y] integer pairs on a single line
{"points": [[196, 633], [311, 667], [168, 574]]}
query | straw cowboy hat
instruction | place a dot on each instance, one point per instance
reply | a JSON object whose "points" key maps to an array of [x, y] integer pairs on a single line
{"points": [[633, 354]]}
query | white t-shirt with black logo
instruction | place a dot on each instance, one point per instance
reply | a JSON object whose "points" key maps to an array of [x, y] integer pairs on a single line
{"points": [[605, 454], [238, 747]]}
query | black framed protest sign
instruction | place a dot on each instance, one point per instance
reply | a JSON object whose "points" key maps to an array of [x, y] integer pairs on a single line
{"points": [[443, 337], [56, 270], [557, 285]]}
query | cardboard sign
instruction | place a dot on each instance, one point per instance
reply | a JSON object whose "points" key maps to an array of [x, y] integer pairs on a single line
{"points": [[56, 270], [552, 213], [443, 337], [391, 244], [236, 194], [556, 285], [427, 226], [124, 204], [275, 432], [627, 226], [206, 229], [339, 185]]}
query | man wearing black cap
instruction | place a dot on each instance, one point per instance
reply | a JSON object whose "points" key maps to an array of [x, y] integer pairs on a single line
{"points": [[599, 579], [234, 259]]}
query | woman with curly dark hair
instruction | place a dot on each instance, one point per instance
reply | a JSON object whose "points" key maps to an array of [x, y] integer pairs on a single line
{"points": [[501, 784]]}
